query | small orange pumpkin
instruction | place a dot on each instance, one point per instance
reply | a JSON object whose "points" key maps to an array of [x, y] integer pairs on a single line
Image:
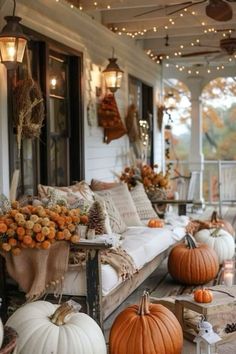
{"points": [[203, 295], [155, 223]]}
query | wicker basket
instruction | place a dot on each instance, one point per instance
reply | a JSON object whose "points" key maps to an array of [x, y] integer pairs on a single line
{"points": [[9, 342]]}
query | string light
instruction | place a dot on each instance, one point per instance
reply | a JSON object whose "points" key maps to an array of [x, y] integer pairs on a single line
{"points": [[172, 21]]}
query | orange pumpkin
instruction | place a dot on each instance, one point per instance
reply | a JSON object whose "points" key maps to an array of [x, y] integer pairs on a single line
{"points": [[144, 329], [155, 223], [192, 263], [203, 295]]}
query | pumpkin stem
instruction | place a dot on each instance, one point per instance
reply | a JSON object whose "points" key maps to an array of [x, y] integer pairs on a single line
{"points": [[215, 232], [214, 217], [191, 243], [144, 304], [58, 318]]}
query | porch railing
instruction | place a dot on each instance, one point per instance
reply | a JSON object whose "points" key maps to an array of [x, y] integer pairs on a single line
{"points": [[219, 180]]}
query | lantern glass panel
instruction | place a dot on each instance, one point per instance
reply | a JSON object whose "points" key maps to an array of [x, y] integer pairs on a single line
{"points": [[113, 79], [12, 49], [208, 349]]}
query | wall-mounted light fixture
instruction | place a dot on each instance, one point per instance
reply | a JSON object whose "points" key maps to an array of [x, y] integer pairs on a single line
{"points": [[113, 74], [12, 41]]}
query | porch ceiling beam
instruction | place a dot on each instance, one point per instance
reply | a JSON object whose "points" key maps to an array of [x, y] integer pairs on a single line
{"points": [[127, 4]]}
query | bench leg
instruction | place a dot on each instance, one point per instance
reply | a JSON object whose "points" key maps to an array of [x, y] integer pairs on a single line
{"points": [[94, 288]]}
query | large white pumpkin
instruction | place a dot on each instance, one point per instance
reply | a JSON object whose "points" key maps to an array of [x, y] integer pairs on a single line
{"points": [[1, 333], [43, 330], [218, 239]]}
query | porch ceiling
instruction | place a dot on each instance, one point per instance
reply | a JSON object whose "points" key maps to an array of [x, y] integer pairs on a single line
{"points": [[169, 36]]}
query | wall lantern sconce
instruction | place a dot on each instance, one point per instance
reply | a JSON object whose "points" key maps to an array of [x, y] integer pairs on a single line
{"points": [[113, 74], [12, 41]]}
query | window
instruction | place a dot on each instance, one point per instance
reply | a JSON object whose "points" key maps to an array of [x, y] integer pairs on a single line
{"points": [[141, 97], [56, 158]]}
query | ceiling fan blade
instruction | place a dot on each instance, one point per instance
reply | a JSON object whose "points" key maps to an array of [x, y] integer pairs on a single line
{"points": [[186, 7], [207, 52], [164, 8], [219, 11]]}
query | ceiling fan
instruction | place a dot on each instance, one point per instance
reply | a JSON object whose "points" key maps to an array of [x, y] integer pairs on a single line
{"points": [[226, 46], [219, 10]]}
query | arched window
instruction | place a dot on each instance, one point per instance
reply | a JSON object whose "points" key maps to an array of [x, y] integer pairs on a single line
{"points": [[219, 119]]}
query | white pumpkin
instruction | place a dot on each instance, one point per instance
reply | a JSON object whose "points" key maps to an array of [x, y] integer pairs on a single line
{"points": [[218, 239], [1, 333], [51, 329]]}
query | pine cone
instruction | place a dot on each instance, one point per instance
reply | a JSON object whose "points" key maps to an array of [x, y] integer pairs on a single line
{"points": [[97, 218]]}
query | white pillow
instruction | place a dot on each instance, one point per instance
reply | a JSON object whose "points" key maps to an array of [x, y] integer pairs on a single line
{"points": [[125, 205], [142, 203]]}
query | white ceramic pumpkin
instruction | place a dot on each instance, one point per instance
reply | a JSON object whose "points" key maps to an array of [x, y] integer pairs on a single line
{"points": [[1, 333], [218, 239], [51, 329]]}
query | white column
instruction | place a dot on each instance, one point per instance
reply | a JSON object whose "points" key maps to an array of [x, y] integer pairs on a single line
{"points": [[196, 157], [4, 157]]}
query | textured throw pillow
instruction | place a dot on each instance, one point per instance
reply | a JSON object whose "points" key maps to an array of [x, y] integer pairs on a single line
{"points": [[107, 225], [117, 224], [97, 185], [125, 205], [76, 192], [142, 203]]}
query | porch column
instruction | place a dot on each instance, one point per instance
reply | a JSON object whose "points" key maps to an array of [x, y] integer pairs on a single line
{"points": [[196, 157], [4, 159]]}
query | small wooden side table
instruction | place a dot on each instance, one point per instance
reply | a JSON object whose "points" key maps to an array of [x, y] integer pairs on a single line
{"points": [[220, 312]]}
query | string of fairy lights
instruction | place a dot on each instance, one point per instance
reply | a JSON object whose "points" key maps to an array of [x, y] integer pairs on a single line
{"points": [[170, 23]]}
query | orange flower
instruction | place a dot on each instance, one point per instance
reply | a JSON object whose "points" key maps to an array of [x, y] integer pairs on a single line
{"points": [[12, 241], [6, 247], [27, 240], [46, 245], [20, 231], [60, 235], [37, 228], [84, 219], [40, 237], [3, 228]]}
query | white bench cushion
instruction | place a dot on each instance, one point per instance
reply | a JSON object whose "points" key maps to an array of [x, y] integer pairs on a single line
{"points": [[141, 243]]}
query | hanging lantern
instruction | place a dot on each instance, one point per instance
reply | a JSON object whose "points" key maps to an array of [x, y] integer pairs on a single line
{"points": [[206, 339], [113, 74], [12, 41]]}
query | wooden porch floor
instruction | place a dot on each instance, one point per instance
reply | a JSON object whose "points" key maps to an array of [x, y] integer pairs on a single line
{"points": [[160, 284]]}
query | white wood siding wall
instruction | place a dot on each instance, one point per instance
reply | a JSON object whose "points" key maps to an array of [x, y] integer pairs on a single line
{"points": [[76, 30]]}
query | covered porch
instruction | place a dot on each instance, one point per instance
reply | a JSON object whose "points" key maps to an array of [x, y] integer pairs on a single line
{"points": [[69, 44]]}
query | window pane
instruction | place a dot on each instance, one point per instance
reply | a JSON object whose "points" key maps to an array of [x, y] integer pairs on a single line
{"points": [[58, 159], [58, 115], [57, 77]]}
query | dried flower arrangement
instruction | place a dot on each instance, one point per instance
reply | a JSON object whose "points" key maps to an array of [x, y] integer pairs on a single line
{"points": [[152, 180], [38, 226]]}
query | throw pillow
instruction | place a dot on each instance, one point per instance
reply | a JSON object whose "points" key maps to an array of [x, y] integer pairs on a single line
{"points": [[107, 225], [78, 191], [125, 205], [97, 185], [117, 224], [142, 203]]}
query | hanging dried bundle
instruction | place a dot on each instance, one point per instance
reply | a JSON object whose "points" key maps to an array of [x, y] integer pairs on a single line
{"points": [[28, 110]]}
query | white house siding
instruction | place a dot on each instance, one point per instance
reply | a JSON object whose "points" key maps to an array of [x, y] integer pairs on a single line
{"points": [[78, 31]]}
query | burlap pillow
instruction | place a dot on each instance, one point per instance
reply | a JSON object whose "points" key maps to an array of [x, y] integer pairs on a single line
{"points": [[142, 203], [117, 224], [125, 205]]}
